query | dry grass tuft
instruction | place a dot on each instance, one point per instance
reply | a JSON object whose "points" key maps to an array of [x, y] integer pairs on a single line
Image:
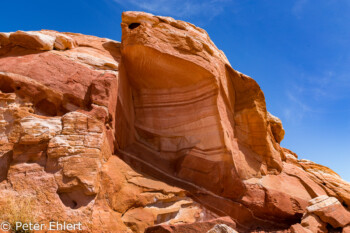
{"points": [[18, 209]]}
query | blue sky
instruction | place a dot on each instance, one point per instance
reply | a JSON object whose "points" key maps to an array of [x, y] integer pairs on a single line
{"points": [[297, 50]]}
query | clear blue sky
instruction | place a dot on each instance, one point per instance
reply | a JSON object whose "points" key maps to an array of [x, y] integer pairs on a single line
{"points": [[297, 50]]}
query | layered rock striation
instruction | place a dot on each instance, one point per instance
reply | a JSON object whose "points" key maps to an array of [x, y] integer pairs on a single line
{"points": [[57, 140], [157, 133]]}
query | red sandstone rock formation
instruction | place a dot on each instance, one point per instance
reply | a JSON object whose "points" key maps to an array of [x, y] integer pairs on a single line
{"points": [[156, 130]]}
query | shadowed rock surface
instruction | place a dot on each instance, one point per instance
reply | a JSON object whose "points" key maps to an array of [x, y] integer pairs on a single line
{"points": [[157, 133]]}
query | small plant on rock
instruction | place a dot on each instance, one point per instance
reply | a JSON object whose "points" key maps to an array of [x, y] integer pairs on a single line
{"points": [[18, 209]]}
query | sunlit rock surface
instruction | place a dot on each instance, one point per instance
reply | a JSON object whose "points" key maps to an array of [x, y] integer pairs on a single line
{"points": [[157, 133]]}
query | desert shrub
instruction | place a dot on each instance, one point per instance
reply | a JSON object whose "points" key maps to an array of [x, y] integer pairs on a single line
{"points": [[18, 209]]}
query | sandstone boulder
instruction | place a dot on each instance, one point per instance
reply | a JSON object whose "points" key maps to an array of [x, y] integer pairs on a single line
{"points": [[329, 210], [276, 127], [4, 39], [297, 228], [221, 228], [246, 152], [346, 229], [223, 223], [32, 40], [331, 181], [313, 223]]}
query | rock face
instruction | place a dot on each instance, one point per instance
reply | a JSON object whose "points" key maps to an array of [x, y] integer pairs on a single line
{"points": [[156, 130], [221, 228], [57, 136], [212, 226], [324, 213]]}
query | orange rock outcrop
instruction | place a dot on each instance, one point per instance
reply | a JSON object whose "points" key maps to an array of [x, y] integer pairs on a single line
{"points": [[157, 133]]}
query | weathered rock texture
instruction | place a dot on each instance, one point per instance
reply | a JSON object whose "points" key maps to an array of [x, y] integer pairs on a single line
{"points": [[57, 136], [195, 134]]}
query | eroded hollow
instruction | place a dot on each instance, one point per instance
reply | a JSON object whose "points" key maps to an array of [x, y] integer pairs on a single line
{"points": [[6, 84], [5, 161], [331, 229], [46, 108], [75, 198], [177, 123], [134, 25], [6, 89], [176, 127]]}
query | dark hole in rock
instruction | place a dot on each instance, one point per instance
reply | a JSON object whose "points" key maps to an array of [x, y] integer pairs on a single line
{"points": [[331, 229], [5, 161], [134, 25], [46, 108], [18, 88], [75, 198], [6, 89], [298, 217], [87, 99], [74, 203]]}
